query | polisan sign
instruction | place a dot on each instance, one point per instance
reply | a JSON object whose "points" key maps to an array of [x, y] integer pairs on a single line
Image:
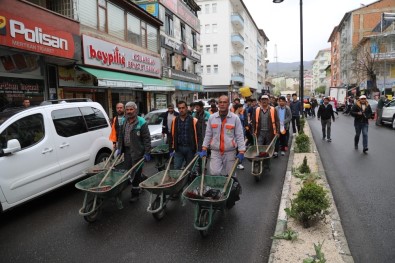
{"points": [[21, 33]]}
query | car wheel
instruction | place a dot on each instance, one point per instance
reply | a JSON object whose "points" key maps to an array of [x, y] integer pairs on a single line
{"points": [[102, 157]]}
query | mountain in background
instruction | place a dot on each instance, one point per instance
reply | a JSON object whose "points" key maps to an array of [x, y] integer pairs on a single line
{"points": [[289, 69]]}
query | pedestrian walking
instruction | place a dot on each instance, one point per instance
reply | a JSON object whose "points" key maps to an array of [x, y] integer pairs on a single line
{"points": [[325, 113], [285, 116], [296, 109], [224, 134], [167, 119], [362, 112], [202, 117], [117, 123], [183, 137], [213, 107], [266, 125], [134, 140]]}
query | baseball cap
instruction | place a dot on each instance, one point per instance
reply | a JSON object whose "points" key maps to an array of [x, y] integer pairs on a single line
{"points": [[362, 97], [264, 97]]}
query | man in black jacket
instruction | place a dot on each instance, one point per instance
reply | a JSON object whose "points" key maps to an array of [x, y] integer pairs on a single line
{"points": [[325, 112], [296, 109], [167, 119], [362, 112]]}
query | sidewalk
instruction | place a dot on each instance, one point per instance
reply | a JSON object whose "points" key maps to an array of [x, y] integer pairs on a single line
{"points": [[330, 230]]}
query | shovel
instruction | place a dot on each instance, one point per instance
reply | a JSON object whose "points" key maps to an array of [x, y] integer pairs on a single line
{"points": [[203, 172], [167, 170], [266, 153], [109, 158], [230, 176]]}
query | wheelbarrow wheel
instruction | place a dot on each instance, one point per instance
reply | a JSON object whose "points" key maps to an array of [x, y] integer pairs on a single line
{"points": [[161, 213], [203, 221], [95, 215]]}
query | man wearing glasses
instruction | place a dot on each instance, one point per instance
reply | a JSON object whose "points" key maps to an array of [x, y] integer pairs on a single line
{"points": [[362, 112]]}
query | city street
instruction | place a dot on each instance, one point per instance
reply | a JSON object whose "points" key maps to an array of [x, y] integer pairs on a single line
{"points": [[362, 186], [49, 229]]}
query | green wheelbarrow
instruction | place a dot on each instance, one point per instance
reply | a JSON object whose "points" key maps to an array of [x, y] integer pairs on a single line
{"points": [[160, 155], [205, 208], [101, 187], [163, 185]]}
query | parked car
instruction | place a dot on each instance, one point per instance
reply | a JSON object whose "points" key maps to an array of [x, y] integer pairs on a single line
{"points": [[155, 125], [47, 146], [373, 105], [389, 113]]}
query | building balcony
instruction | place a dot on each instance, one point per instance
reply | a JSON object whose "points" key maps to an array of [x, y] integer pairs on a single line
{"points": [[237, 40], [237, 20], [237, 59], [237, 77]]}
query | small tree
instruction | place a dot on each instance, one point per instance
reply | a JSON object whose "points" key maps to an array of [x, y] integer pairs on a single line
{"points": [[304, 168], [320, 90]]}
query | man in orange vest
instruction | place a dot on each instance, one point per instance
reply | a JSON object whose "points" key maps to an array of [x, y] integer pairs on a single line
{"points": [[117, 122], [265, 124], [183, 137]]}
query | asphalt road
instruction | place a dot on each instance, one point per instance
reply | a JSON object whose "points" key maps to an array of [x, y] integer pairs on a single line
{"points": [[49, 229], [363, 187]]}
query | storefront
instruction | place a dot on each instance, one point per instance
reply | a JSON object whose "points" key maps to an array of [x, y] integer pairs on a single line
{"points": [[33, 43]]}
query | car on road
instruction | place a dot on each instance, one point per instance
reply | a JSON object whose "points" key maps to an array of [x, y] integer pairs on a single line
{"points": [[47, 146], [389, 113], [155, 124], [373, 105]]}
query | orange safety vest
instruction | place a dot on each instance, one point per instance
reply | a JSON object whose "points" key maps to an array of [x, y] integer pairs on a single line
{"points": [[257, 112], [113, 134], [194, 128]]}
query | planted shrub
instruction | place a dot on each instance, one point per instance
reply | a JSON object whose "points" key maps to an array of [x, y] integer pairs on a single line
{"points": [[304, 168], [302, 143], [310, 205], [302, 123]]}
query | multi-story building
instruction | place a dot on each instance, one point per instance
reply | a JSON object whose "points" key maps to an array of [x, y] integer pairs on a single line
{"points": [[234, 49], [308, 84], [334, 39], [355, 25], [179, 43], [320, 63]]}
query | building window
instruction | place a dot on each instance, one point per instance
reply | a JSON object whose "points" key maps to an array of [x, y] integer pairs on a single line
{"points": [[143, 34], [201, 48], [207, 28], [201, 69], [116, 25], [133, 26], [169, 26], [194, 40], [215, 69], [215, 48], [208, 68], [214, 8], [103, 17], [215, 28], [183, 32], [207, 49], [152, 38], [207, 9]]}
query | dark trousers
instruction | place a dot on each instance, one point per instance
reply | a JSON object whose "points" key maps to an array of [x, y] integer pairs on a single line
{"points": [[183, 153], [326, 128], [136, 174], [361, 127], [295, 120]]}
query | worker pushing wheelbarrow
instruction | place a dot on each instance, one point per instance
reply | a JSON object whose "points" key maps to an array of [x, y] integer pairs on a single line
{"points": [[165, 184], [103, 186]]}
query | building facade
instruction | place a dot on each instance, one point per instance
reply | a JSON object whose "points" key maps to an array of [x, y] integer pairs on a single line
{"points": [[233, 48], [320, 63], [334, 39]]}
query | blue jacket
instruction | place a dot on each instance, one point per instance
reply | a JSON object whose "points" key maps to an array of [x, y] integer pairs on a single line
{"points": [[295, 108]]}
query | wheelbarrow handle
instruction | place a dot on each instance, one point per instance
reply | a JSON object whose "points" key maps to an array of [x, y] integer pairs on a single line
{"points": [[230, 174]]}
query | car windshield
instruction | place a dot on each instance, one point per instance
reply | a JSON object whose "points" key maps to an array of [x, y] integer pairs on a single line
{"points": [[154, 118]]}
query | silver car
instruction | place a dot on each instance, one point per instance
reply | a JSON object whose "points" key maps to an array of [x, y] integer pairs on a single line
{"points": [[373, 105], [155, 125]]}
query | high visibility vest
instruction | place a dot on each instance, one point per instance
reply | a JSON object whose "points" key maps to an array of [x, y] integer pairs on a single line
{"points": [[272, 113], [173, 123]]}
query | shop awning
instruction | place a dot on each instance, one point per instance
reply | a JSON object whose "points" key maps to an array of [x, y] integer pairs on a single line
{"points": [[106, 78]]}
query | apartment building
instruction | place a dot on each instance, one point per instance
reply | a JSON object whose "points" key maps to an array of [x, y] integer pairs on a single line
{"points": [[354, 26], [320, 63], [233, 48]]}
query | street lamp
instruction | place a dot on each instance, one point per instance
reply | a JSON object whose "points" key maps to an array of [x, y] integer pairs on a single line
{"points": [[301, 75]]}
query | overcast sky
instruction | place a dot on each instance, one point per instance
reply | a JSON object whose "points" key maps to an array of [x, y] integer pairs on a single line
{"points": [[281, 24]]}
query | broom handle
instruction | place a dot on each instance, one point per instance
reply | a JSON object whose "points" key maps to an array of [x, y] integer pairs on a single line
{"points": [[230, 175], [108, 159], [108, 172], [167, 170], [130, 170], [203, 172], [187, 168]]}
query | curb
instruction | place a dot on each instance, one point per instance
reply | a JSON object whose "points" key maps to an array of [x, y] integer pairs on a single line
{"points": [[282, 219]]}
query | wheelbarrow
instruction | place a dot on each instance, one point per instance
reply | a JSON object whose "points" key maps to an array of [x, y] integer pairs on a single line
{"points": [[257, 155], [163, 185], [101, 187], [206, 207], [103, 166], [160, 155]]}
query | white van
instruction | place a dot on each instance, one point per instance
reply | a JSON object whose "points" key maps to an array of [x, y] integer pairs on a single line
{"points": [[45, 147]]}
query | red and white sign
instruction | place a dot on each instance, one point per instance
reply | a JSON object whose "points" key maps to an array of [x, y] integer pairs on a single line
{"points": [[22, 33], [108, 55]]}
